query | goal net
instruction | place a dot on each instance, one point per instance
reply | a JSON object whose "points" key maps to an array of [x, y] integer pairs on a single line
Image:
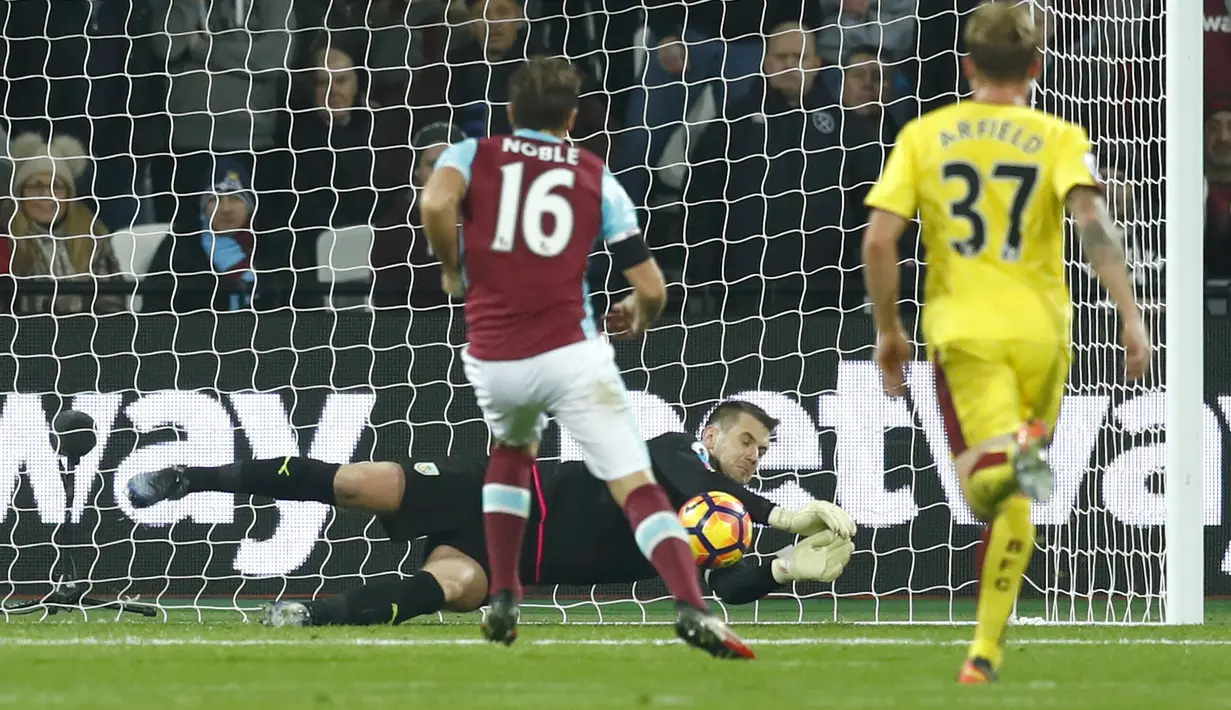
{"points": [[324, 335]]}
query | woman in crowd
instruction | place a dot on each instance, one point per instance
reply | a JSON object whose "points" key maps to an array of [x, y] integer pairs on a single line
{"points": [[51, 233]]}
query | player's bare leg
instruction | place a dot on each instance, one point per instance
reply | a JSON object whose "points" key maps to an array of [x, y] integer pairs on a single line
{"points": [[449, 580], [995, 476], [506, 507], [663, 541]]}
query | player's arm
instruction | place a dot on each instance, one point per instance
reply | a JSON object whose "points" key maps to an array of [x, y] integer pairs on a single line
{"points": [[893, 202], [682, 463], [880, 264], [629, 253], [743, 583], [649, 297], [817, 558], [1101, 245], [440, 207], [1076, 181]]}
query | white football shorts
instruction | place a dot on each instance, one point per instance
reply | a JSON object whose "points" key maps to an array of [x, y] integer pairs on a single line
{"points": [[580, 386]]}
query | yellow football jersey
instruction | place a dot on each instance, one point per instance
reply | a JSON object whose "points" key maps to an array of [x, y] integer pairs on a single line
{"points": [[989, 183]]}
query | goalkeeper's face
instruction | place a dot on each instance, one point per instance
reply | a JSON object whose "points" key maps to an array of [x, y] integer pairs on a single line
{"points": [[737, 446]]}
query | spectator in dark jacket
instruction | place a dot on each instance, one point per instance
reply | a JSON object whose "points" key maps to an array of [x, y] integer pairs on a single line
{"points": [[329, 133], [332, 157], [870, 129], [701, 48], [1218, 188], [1217, 45], [784, 200], [342, 162], [596, 36], [212, 267], [395, 41], [406, 272], [885, 25], [485, 54], [226, 61]]}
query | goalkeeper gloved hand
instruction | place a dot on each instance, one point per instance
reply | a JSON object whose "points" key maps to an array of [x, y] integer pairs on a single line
{"points": [[815, 517], [819, 558]]}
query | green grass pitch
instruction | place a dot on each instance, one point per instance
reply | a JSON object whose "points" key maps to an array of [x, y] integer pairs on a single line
{"points": [[220, 662]]}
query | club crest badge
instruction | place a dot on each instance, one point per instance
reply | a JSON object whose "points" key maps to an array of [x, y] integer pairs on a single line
{"points": [[823, 122], [703, 454]]}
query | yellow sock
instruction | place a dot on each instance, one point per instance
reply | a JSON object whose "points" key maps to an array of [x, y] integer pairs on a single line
{"points": [[1004, 564]]}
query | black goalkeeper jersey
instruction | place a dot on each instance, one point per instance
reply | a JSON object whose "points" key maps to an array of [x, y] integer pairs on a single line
{"points": [[579, 535], [576, 533]]}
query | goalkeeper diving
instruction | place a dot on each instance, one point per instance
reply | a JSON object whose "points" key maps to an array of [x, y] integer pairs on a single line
{"points": [[577, 534], [990, 179]]}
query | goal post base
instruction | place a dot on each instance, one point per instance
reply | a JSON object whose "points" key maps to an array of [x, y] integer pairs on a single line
{"points": [[67, 596]]}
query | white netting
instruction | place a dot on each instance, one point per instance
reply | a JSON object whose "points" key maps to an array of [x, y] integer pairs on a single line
{"points": [[1105, 71], [294, 335]]}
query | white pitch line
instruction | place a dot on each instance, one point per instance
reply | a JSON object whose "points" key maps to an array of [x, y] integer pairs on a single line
{"points": [[810, 641]]}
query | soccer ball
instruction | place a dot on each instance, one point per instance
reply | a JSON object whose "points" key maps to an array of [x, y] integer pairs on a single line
{"points": [[719, 529]]}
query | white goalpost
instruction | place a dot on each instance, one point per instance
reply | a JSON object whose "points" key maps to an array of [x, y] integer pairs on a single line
{"points": [[1185, 332], [345, 372]]}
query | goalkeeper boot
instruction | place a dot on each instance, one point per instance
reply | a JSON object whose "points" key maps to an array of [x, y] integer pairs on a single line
{"points": [[707, 632], [500, 624], [146, 489], [1034, 475], [977, 671], [282, 614]]}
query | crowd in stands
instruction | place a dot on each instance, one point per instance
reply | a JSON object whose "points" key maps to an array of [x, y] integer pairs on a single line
{"points": [[748, 131], [1218, 140]]}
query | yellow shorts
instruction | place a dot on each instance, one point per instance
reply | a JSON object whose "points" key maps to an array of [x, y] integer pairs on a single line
{"points": [[989, 388]]}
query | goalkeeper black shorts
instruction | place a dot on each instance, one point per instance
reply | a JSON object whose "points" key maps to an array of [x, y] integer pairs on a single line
{"points": [[443, 501], [441, 496]]}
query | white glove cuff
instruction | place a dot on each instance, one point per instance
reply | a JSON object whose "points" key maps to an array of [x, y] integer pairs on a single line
{"points": [[780, 518], [781, 568]]}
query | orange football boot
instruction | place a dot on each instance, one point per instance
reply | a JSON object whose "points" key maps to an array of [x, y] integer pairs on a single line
{"points": [[976, 671]]}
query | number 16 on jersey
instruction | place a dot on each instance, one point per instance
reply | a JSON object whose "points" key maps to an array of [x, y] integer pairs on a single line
{"points": [[539, 204]]}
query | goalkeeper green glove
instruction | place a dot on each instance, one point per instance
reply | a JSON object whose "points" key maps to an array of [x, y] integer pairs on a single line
{"points": [[815, 517], [819, 558]]}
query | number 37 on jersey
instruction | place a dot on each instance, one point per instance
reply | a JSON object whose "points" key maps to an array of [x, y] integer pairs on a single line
{"points": [[988, 182]]}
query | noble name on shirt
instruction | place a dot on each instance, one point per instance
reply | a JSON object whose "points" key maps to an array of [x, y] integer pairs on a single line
{"points": [[548, 153]]}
